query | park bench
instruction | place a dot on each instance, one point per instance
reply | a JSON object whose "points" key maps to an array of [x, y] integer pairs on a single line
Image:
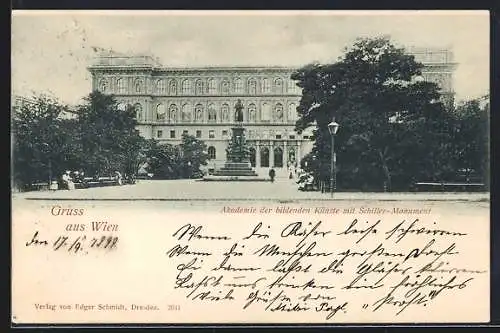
{"points": [[40, 186], [92, 182], [448, 186]]}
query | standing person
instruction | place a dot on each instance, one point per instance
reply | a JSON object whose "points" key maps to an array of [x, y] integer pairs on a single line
{"points": [[118, 177], [272, 174], [76, 176], [64, 181], [68, 182]]}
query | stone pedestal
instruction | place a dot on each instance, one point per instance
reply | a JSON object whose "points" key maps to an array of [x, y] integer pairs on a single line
{"points": [[238, 166], [235, 169]]}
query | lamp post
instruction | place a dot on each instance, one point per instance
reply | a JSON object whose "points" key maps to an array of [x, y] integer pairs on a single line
{"points": [[333, 127], [47, 151], [189, 169]]}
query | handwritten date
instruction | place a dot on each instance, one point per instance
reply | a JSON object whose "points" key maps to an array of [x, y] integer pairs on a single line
{"points": [[74, 244]]}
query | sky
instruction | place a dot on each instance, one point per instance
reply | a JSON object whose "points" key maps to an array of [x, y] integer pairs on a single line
{"points": [[52, 49]]}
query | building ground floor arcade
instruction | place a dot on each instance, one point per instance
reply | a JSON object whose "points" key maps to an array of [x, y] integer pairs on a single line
{"points": [[278, 147]]}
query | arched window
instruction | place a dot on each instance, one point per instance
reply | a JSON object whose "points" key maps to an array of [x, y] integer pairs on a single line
{"points": [[292, 112], [160, 86], [172, 87], [199, 87], [278, 86], [278, 112], [266, 112], [173, 113], [238, 86], [198, 113], [278, 157], [138, 86], [264, 157], [252, 113], [252, 87], [160, 112], [122, 88], [225, 87], [212, 153], [212, 114], [266, 86], [225, 112], [186, 87], [212, 87], [103, 85], [138, 111], [186, 112], [253, 155]]}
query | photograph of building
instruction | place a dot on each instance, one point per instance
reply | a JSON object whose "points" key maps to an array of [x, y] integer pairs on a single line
{"points": [[200, 101]]}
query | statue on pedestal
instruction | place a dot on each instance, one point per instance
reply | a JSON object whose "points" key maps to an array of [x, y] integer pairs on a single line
{"points": [[238, 152], [238, 115]]}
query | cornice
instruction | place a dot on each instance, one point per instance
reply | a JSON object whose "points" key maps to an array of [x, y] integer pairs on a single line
{"points": [[231, 69], [226, 96], [138, 95], [245, 125], [193, 70]]}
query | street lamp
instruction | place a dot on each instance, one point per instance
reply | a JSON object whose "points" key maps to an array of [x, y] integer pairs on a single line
{"points": [[189, 169], [333, 127], [47, 151]]}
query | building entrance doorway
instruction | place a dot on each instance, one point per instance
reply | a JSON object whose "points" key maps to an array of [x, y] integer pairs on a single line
{"points": [[278, 157], [252, 157], [264, 158]]}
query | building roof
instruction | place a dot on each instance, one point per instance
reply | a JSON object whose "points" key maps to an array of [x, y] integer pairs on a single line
{"points": [[113, 59]]}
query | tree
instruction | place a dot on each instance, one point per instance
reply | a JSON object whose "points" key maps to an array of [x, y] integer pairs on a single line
{"points": [[43, 144], [163, 160], [168, 161], [471, 140], [382, 111], [193, 156], [109, 139]]}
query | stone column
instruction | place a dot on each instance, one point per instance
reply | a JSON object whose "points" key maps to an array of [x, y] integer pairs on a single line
{"points": [[285, 154], [257, 154], [271, 154], [298, 156]]}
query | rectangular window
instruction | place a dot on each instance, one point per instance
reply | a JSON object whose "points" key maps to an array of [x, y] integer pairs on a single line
{"points": [[185, 132], [278, 136], [211, 134], [292, 137], [224, 133], [306, 137], [172, 134], [198, 134], [159, 134]]}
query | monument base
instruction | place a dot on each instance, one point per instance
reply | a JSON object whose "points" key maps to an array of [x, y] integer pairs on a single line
{"points": [[235, 171], [237, 166], [212, 178]]}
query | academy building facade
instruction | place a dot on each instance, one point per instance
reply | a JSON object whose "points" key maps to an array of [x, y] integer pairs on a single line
{"points": [[200, 101]]}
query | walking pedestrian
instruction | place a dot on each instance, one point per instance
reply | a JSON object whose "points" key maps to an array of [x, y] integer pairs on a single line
{"points": [[272, 174]]}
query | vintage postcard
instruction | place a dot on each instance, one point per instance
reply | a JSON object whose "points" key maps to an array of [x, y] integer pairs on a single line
{"points": [[218, 167]]}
